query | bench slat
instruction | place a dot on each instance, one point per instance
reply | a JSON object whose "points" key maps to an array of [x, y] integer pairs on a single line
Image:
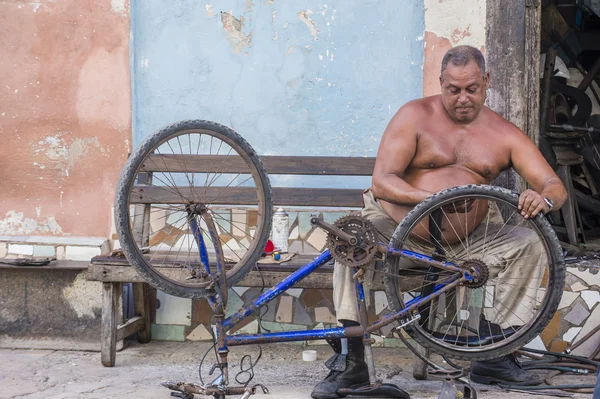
{"points": [[275, 165], [282, 196], [320, 278]]}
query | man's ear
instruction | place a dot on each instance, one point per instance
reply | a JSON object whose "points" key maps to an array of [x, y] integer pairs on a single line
{"points": [[487, 80], [441, 80]]}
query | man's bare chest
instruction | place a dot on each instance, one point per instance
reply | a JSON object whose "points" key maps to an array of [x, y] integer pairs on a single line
{"points": [[481, 152]]}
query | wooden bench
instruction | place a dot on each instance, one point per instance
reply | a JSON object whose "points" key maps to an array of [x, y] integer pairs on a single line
{"points": [[113, 271]]}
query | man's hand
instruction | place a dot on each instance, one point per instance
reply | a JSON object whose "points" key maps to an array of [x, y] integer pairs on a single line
{"points": [[532, 203]]}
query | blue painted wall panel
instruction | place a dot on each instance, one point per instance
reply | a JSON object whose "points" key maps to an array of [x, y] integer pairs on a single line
{"points": [[284, 91]]}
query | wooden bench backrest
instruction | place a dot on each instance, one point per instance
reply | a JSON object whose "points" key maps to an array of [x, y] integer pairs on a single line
{"points": [[274, 165]]}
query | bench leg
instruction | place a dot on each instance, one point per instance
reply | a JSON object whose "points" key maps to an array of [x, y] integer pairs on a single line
{"points": [[111, 293], [419, 366], [141, 305]]}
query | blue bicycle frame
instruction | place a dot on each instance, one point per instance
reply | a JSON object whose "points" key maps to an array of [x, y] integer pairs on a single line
{"points": [[225, 324]]}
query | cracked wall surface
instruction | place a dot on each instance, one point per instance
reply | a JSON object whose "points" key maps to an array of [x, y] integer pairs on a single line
{"points": [[450, 23], [64, 114], [294, 78]]}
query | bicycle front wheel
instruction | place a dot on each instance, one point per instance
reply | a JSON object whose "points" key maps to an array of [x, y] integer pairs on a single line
{"points": [[519, 266], [179, 182]]}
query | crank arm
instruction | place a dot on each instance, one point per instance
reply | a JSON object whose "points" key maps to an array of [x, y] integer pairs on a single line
{"points": [[350, 239]]}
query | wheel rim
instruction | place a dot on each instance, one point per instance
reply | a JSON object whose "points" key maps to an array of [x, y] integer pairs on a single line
{"points": [[192, 174], [453, 321]]}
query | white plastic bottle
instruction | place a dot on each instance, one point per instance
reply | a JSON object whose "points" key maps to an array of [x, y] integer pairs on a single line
{"points": [[281, 230]]}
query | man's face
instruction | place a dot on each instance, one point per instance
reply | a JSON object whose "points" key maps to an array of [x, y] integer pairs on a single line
{"points": [[463, 91]]}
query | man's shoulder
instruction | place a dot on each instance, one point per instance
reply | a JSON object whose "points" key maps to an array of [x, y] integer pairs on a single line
{"points": [[419, 107], [500, 125]]}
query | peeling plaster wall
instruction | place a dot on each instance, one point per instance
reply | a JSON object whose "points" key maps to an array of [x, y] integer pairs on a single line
{"points": [[450, 23], [294, 78], [65, 114]]}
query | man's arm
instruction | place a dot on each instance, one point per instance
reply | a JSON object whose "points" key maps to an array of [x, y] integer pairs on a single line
{"points": [[529, 163], [396, 150]]}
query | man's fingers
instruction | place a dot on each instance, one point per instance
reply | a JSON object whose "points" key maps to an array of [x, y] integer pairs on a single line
{"points": [[522, 199], [534, 207], [539, 208], [526, 204]]}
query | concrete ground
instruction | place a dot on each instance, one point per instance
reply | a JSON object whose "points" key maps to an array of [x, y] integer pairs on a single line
{"points": [[140, 368]]}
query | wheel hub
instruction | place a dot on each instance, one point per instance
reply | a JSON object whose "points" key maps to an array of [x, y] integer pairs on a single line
{"points": [[479, 273]]}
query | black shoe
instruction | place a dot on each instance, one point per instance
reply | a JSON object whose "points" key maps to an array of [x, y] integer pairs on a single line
{"points": [[505, 370], [345, 370], [354, 375]]}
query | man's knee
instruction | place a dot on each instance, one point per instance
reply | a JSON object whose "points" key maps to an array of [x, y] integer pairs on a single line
{"points": [[524, 238]]}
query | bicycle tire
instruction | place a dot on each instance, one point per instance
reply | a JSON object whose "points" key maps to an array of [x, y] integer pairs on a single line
{"points": [[124, 190], [556, 275]]}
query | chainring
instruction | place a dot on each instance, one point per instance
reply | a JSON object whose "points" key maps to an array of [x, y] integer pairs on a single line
{"points": [[363, 251]]}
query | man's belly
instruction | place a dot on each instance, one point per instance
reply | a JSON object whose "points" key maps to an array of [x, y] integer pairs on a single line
{"points": [[456, 223]]}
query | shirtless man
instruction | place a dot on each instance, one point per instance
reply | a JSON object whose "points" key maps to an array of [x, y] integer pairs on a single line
{"points": [[435, 143]]}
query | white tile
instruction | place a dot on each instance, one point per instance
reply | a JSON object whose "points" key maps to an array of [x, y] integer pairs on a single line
{"points": [[20, 249], [250, 328], [238, 221], [567, 299], [381, 302], [295, 292], [571, 333], [285, 310], [323, 314], [173, 310], [590, 297], [240, 290], [588, 347], [44, 250], [178, 219], [589, 278], [578, 286], [158, 219], [318, 239], [74, 240], [60, 252], [537, 343], [489, 296], [3, 249], [200, 333], [82, 253], [105, 248], [294, 234], [590, 323]]}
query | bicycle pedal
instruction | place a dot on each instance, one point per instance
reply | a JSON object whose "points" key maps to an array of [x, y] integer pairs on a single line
{"points": [[408, 321]]}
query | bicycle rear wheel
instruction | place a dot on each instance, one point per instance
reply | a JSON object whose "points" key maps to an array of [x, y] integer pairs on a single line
{"points": [[519, 260], [178, 178]]}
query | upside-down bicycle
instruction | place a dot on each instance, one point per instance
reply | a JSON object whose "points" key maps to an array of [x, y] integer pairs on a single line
{"points": [[193, 213]]}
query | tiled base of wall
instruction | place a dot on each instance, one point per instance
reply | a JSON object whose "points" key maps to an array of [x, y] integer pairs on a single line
{"points": [[307, 309], [297, 309]]}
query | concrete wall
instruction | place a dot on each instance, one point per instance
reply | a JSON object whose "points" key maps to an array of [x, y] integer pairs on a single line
{"points": [[64, 114], [307, 77], [450, 23]]}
